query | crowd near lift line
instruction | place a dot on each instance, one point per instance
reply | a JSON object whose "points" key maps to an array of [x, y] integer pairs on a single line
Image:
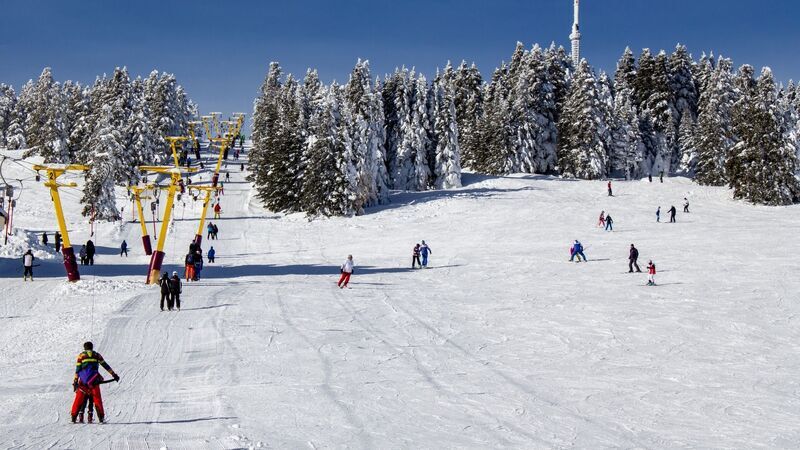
{"points": [[232, 129]]}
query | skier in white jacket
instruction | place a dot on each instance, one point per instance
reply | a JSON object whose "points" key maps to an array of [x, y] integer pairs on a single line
{"points": [[27, 264], [346, 270]]}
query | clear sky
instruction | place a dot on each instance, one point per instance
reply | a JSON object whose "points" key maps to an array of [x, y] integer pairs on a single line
{"points": [[219, 50]]}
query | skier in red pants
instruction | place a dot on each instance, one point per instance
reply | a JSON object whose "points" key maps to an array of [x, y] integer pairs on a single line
{"points": [[86, 383], [347, 270]]}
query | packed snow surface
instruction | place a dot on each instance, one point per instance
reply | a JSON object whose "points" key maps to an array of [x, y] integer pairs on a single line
{"points": [[501, 343]]}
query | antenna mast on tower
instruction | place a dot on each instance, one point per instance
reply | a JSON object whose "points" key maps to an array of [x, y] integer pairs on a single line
{"points": [[575, 37]]}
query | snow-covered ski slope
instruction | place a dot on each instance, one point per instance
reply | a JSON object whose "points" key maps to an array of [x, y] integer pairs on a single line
{"points": [[502, 343]]}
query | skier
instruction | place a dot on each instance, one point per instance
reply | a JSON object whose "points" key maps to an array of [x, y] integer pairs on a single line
{"points": [[228, 175], [58, 241], [123, 248], [175, 290], [210, 229], [347, 269], [164, 284], [658, 214], [672, 211], [27, 265], [189, 266], [661, 176], [90, 250], [221, 188], [425, 251], [651, 270], [217, 210], [216, 230], [601, 222], [211, 253], [415, 257], [610, 193], [577, 250], [82, 254], [633, 258], [650, 177], [572, 252], [86, 383], [241, 167], [198, 265], [44, 238], [685, 207], [609, 223]]}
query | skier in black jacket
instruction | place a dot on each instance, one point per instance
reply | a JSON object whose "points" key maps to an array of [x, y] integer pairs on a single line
{"points": [[164, 283], [90, 250], [175, 290], [672, 211], [633, 257]]}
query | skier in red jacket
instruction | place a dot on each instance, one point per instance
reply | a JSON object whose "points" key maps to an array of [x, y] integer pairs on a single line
{"points": [[86, 383], [651, 270]]}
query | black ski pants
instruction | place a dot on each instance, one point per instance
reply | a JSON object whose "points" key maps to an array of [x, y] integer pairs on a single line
{"points": [[175, 298], [633, 263], [166, 296], [415, 260]]}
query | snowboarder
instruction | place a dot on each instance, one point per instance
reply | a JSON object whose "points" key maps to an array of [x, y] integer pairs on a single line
{"points": [[123, 248], [633, 258], [58, 241], [601, 222], [211, 253], [658, 214], [651, 270], [90, 250], [175, 290], [672, 211], [347, 269], [424, 250], [610, 193], [217, 210], [27, 265], [577, 250], [44, 238], [82, 254], [86, 384], [609, 223], [685, 206], [164, 284], [415, 257], [189, 266]]}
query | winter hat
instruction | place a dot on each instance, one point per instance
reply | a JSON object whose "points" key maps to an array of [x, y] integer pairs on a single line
{"points": [[174, 273]]}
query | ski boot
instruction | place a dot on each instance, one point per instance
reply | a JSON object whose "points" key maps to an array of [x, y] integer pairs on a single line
{"points": [[90, 418], [78, 418]]}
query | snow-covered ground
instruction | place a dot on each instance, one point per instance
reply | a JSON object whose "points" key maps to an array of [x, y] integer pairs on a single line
{"points": [[502, 343]]}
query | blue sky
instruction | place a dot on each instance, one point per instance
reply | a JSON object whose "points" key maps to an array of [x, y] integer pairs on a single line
{"points": [[220, 50]]}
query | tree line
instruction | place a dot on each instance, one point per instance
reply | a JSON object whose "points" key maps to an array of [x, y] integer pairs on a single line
{"points": [[337, 149]]}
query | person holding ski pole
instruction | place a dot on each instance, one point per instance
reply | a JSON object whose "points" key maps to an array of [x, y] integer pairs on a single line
{"points": [[27, 265], [424, 250], [672, 211], [633, 258], [346, 269], [609, 223], [87, 381], [415, 257]]}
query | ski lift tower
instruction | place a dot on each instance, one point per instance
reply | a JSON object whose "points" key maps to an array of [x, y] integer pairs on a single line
{"points": [[575, 37], [137, 196], [215, 121]]}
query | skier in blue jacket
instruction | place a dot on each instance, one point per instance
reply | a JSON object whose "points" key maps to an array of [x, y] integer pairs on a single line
{"points": [[424, 250], [577, 250]]}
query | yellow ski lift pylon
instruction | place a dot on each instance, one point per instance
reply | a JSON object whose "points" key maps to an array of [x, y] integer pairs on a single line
{"points": [[137, 196], [53, 172]]}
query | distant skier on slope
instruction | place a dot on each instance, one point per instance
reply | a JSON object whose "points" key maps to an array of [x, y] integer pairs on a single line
{"points": [[672, 211], [27, 265], [175, 290], [44, 238], [217, 210], [211, 253], [216, 231], [415, 257], [90, 251], [577, 250], [346, 269], [424, 250], [163, 283], [86, 383], [658, 214], [123, 248], [58, 241], [189, 266], [610, 192], [633, 258], [651, 270], [601, 222], [609, 223], [685, 206]]}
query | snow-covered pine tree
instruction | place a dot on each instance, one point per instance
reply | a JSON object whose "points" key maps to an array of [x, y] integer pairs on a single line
{"points": [[654, 98], [497, 151], [559, 66], [607, 118], [264, 136], [421, 141], [8, 101], [626, 150], [402, 166], [15, 134], [82, 125], [702, 71], [686, 144], [682, 83], [105, 150], [763, 163], [582, 153], [448, 158], [468, 86], [625, 75], [141, 140], [714, 136], [44, 125]]}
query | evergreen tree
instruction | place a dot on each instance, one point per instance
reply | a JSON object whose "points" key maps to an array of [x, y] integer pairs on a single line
{"points": [[44, 126], [402, 166], [713, 135], [8, 102], [582, 153], [625, 75], [468, 99], [686, 143], [448, 160], [421, 141], [106, 150], [497, 153], [763, 163], [682, 83], [626, 150]]}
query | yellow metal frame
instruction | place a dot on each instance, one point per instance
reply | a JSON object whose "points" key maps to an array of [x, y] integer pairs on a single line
{"points": [[137, 196]]}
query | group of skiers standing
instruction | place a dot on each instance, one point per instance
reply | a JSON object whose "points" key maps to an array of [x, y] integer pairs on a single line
{"points": [[633, 261], [212, 230], [420, 250], [170, 290], [193, 263]]}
